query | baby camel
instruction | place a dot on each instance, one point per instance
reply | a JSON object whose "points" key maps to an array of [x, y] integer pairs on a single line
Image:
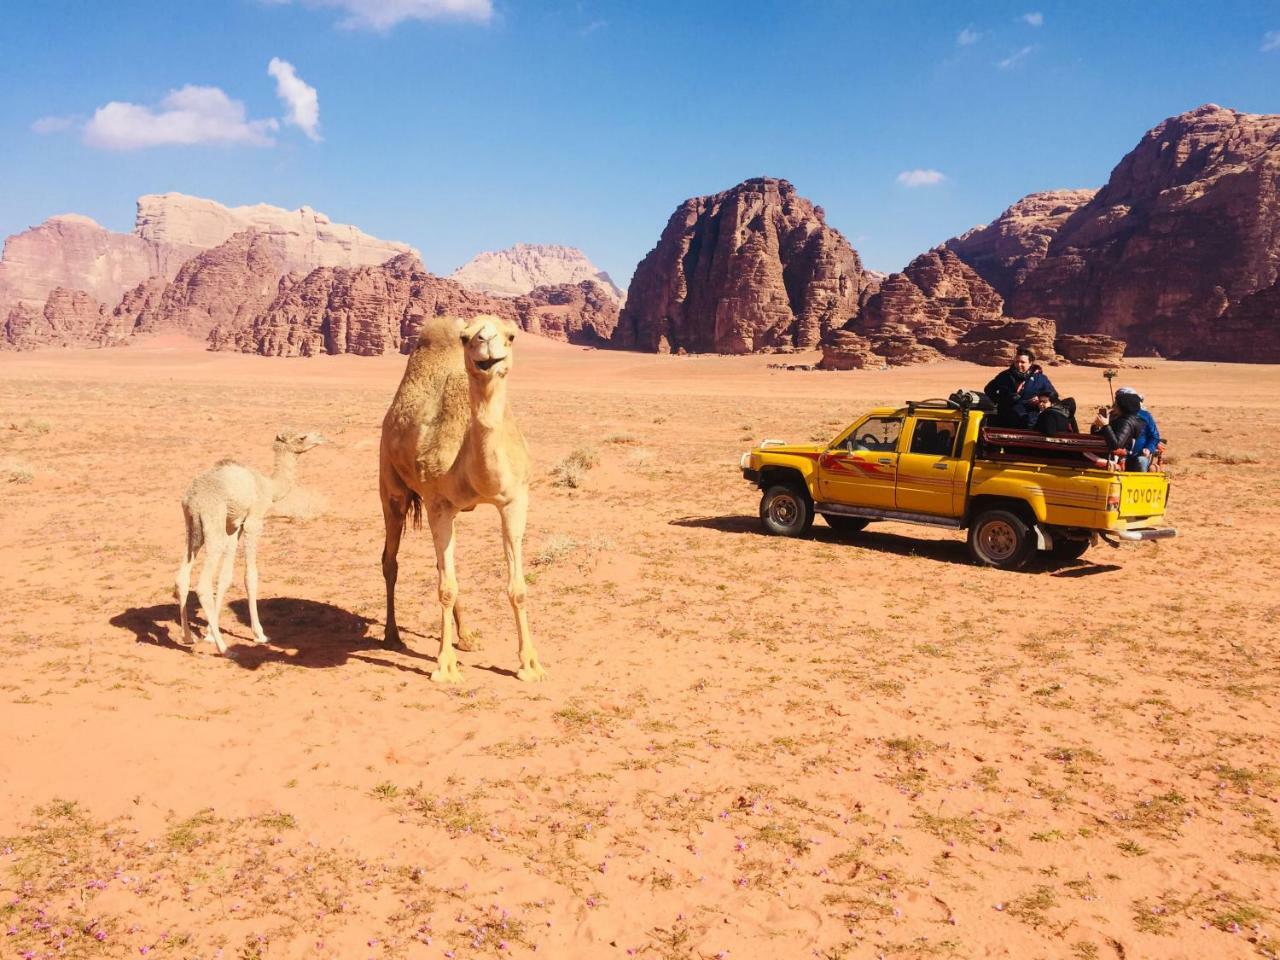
{"points": [[224, 505]]}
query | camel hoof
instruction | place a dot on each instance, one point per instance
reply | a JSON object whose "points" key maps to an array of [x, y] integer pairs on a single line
{"points": [[450, 674], [532, 673], [261, 638], [392, 641], [469, 642]]}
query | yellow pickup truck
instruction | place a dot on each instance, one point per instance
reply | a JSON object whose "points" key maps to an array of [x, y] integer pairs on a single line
{"points": [[936, 462]]}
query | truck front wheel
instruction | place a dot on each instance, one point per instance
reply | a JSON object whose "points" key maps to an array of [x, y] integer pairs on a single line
{"points": [[785, 511], [844, 526], [1001, 539]]}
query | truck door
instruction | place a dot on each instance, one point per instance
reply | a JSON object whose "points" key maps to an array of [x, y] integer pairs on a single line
{"points": [[927, 470], [860, 470]]}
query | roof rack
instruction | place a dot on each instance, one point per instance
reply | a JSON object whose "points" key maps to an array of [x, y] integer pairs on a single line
{"points": [[933, 404]]}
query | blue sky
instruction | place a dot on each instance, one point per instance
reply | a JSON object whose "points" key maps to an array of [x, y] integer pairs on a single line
{"points": [[466, 125]]}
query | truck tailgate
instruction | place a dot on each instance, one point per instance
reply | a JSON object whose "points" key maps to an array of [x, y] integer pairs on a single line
{"points": [[1142, 495]]}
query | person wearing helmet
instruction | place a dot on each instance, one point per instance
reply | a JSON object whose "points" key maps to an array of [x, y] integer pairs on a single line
{"points": [[1143, 447]]}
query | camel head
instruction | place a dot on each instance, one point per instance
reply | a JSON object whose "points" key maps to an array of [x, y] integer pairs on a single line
{"points": [[296, 442], [486, 341]]}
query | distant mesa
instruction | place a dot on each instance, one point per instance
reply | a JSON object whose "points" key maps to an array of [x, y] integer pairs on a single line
{"points": [[518, 270]]}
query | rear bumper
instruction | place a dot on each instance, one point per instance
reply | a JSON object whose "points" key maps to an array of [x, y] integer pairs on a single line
{"points": [[1151, 533]]}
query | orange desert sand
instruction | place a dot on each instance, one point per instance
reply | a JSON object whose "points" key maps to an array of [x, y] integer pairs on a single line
{"points": [[748, 747]]}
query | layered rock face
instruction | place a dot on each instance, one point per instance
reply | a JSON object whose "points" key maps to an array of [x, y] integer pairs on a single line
{"points": [[993, 342], [223, 287], [74, 252], [67, 318], [306, 238], [1249, 331], [936, 300], [1090, 350], [583, 312], [752, 268], [520, 269], [1187, 227], [1006, 250]]}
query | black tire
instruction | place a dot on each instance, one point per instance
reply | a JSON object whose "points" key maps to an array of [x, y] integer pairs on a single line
{"points": [[845, 526], [785, 511], [998, 538], [1064, 550]]}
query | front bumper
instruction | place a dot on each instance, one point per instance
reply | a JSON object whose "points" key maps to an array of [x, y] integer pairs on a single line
{"points": [[752, 476]]}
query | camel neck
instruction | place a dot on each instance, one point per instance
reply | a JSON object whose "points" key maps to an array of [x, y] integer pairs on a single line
{"points": [[488, 404], [284, 473]]}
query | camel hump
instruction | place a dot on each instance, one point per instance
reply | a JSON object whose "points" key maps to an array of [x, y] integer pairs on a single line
{"points": [[439, 334]]}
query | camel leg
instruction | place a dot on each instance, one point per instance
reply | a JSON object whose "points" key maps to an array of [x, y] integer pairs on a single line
{"points": [[513, 521], [468, 638], [394, 509], [250, 536], [217, 546], [441, 517], [224, 581], [182, 582]]}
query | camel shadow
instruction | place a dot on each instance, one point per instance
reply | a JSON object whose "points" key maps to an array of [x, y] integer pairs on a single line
{"points": [[883, 541], [304, 633]]}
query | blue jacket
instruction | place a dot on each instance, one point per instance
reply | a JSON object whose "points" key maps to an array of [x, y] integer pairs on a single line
{"points": [[1147, 437], [1013, 406]]}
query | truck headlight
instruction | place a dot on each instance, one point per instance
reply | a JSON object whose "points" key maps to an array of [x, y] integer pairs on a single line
{"points": [[744, 460]]}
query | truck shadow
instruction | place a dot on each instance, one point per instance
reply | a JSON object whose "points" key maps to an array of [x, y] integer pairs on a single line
{"points": [[903, 545]]}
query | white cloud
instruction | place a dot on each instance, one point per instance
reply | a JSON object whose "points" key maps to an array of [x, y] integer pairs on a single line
{"points": [[382, 15], [1271, 41], [920, 178], [968, 36], [1034, 19], [1011, 61], [187, 116], [299, 96], [53, 124]]}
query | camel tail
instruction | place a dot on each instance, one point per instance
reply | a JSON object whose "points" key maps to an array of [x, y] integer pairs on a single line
{"points": [[415, 509], [195, 532]]}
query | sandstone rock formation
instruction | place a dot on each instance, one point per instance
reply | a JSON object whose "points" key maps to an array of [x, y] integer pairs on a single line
{"points": [[583, 312], [1185, 229], [306, 238], [1091, 350], [993, 342], [74, 252], [1249, 331], [520, 269], [935, 300], [67, 318], [1004, 251], [846, 350], [752, 268], [224, 287]]}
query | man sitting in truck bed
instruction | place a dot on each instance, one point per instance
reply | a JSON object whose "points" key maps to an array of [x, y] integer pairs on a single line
{"points": [[1013, 390]]}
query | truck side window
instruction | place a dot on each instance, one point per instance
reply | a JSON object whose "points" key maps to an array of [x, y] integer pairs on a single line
{"points": [[934, 437], [878, 433]]}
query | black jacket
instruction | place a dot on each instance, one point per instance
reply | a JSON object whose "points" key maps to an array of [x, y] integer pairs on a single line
{"points": [[1120, 430], [1057, 418]]}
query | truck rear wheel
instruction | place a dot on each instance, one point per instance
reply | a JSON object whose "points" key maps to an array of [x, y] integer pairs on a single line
{"points": [[845, 526], [1001, 539], [1065, 550], [785, 511]]}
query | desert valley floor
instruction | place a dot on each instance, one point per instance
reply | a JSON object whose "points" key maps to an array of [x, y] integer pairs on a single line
{"points": [[748, 747]]}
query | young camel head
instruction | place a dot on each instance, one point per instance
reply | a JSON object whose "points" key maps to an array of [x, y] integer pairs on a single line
{"points": [[486, 342], [295, 442]]}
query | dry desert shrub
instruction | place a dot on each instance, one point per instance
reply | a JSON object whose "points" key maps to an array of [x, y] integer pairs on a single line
{"points": [[622, 438], [15, 471], [1230, 457], [570, 471]]}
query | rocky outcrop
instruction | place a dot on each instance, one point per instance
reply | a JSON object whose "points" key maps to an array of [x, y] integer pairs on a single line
{"points": [[520, 269], [583, 312], [936, 300], [67, 318], [1187, 227], [1249, 331], [224, 287], [752, 268], [993, 342], [1006, 250], [306, 238], [1091, 350], [846, 350], [73, 252]]}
